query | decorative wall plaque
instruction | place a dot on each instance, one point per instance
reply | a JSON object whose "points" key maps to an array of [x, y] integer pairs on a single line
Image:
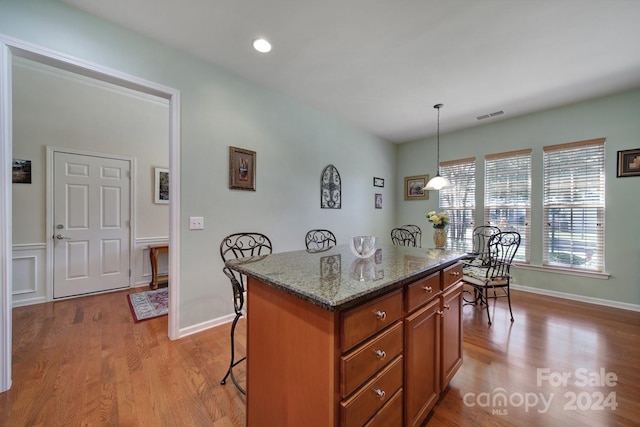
{"points": [[330, 188]]}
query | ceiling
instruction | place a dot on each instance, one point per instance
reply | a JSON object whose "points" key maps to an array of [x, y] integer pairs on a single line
{"points": [[381, 65]]}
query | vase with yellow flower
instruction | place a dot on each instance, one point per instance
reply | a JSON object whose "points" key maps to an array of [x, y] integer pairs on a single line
{"points": [[440, 221]]}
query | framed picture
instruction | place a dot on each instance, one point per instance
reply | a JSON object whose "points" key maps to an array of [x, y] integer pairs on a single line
{"points": [[21, 171], [378, 182], [413, 187], [242, 169], [629, 163], [378, 201], [161, 186]]}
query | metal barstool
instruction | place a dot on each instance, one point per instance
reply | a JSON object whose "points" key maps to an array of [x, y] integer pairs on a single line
{"points": [[240, 245], [319, 239]]}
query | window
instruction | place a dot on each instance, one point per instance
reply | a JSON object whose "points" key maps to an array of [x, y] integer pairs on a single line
{"points": [[574, 203], [459, 201], [507, 195]]}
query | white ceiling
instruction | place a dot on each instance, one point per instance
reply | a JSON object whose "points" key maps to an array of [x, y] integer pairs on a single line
{"points": [[381, 65]]}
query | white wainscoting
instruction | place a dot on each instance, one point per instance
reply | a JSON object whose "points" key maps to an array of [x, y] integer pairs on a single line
{"points": [[29, 269], [28, 282]]}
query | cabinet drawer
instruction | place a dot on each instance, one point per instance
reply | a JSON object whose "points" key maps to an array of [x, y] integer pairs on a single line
{"points": [[390, 415], [364, 321], [451, 275], [355, 411], [422, 291], [359, 365]]}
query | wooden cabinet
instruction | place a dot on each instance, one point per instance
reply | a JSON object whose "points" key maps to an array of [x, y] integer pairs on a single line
{"points": [[371, 373], [381, 363], [451, 336], [368, 358], [433, 340], [422, 360]]}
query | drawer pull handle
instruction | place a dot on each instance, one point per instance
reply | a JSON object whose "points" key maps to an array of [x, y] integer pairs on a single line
{"points": [[455, 273], [427, 288], [447, 306], [381, 315], [379, 393], [380, 354], [441, 313]]}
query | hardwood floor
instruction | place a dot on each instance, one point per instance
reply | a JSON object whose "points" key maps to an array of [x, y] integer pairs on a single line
{"points": [[84, 362]]}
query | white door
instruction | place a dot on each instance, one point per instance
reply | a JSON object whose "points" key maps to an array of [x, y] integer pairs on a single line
{"points": [[91, 224]]}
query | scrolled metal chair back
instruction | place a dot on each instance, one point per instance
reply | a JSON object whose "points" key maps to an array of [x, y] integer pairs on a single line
{"points": [[416, 231], [403, 237], [502, 248], [241, 245], [319, 239], [481, 236]]}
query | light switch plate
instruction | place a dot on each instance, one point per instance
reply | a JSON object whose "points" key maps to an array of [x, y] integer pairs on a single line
{"points": [[196, 223]]}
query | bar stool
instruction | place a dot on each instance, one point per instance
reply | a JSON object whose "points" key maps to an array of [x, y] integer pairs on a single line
{"points": [[319, 239], [240, 245]]}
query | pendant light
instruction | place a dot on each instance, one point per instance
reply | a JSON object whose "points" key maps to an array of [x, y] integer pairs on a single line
{"points": [[438, 182]]}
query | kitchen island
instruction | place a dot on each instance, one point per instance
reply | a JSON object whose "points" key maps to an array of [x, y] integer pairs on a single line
{"points": [[336, 340]]}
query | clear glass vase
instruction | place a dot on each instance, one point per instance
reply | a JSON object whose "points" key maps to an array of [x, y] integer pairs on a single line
{"points": [[440, 237]]}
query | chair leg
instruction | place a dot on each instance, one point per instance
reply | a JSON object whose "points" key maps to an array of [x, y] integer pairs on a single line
{"points": [[509, 300], [486, 302], [232, 364]]}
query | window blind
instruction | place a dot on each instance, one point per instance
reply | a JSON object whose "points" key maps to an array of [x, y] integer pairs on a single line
{"points": [[507, 195], [459, 201], [574, 205]]}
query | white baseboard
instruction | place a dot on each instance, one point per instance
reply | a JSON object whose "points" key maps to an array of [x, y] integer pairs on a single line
{"points": [[205, 325], [580, 298]]}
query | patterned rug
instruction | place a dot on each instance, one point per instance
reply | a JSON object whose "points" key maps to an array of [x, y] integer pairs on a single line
{"points": [[149, 305]]}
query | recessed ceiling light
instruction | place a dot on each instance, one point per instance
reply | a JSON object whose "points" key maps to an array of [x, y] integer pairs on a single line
{"points": [[261, 45]]}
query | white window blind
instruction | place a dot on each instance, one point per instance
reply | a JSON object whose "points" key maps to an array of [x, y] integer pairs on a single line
{"points": [[507, 195], [459, 201], [574, 205]]}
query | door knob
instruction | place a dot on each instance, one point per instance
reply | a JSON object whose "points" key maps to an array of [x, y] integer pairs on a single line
{"points": [[61, 236]]}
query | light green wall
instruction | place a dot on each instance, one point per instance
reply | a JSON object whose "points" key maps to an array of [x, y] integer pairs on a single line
{"points": [[614, 118], [293, 144]]}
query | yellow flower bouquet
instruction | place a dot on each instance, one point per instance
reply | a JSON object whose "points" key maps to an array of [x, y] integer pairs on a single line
{"points": [[439, 220]]}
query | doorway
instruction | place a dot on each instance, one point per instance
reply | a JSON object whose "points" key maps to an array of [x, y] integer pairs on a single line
{"points": [[10, 48]]}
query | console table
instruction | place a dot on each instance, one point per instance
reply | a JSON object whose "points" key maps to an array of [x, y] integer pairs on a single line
{"points": [[156, 278]]}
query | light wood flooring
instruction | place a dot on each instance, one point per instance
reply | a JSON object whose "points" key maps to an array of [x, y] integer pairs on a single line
{"points": [[83, 362]]}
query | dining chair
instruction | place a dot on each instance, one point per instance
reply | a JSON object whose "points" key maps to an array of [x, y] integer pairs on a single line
{"points": [[496, 274], [416, 231], [403, 237], [319, 239], [480, 237], [479, 256], [240, 245]]}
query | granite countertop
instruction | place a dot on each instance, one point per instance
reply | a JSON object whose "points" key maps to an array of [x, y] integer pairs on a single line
{"points": [[335, 279]]}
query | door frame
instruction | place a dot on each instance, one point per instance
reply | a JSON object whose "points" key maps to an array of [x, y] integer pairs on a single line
{"points": [[10, 47], [50, 179]]}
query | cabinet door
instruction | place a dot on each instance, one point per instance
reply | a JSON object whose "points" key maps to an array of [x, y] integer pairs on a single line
{"points": [[451, 333], [422, 363]]}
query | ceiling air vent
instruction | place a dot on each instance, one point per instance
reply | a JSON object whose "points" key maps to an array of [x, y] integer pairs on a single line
{"points": [[494, 114]]}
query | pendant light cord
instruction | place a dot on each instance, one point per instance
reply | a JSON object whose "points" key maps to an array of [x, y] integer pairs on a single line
{"points": [[438, 107]]}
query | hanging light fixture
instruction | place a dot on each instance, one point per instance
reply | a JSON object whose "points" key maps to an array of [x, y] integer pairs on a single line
{"points": [[438, 182]]}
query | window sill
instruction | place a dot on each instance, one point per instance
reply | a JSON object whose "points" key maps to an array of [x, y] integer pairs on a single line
{"points": [[560, 270]]}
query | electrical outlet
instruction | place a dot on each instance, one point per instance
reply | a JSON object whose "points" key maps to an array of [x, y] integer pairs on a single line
{"points": [[196, 223]]}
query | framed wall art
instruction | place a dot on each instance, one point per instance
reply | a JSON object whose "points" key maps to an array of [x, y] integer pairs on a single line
{"points": [[242, 169], [161, 186], [330, 188], [629, 163], [21, 171], [378, 182], [413, 187], [378, 201]]}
